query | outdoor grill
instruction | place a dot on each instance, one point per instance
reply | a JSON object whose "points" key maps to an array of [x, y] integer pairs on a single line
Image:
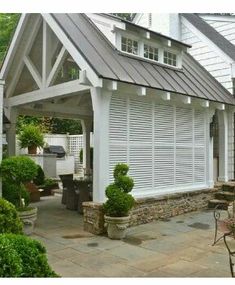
{"points": [[55, 149]]}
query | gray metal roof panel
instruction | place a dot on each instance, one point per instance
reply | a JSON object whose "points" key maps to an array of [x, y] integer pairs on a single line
{"points": [[225, 45], [109, 63]]}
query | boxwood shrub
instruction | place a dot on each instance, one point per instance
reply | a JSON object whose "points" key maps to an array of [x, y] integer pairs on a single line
{"points": [[9, 220], [21, 256]]}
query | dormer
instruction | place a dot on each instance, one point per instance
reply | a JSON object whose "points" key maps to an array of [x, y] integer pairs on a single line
{"points": [[136, 41]]}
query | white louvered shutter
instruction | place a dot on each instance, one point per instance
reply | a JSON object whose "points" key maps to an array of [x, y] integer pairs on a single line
{"points": [[199, 147], [140, 143], [117, 133], [184, 146], [164, 146]]}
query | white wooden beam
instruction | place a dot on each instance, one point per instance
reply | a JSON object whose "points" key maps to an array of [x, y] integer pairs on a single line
{"points": [[186, 100], [112, 85], [59, 90], [33, 71], [19, 67], [46, 52], [141, 91], [73, 51], [55, 69], [41, 113], [205, 103], [220, 106], [83, 78], [166, 96]]}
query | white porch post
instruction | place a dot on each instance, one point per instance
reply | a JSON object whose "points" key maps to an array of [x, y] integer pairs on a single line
{"points": [[11, 132], [223, 146], [2, 83], [100, 101], [86, 129]]}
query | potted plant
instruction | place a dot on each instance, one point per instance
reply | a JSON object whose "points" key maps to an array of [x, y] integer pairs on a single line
{"points": [[16, 171], [31, 137], [119, 202]]}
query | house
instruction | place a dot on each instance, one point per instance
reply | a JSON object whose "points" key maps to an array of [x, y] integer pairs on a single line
{"points": [[151, 104], [212, 37]]}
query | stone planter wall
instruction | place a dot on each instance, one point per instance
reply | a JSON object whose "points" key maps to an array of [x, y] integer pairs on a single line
{"points": [[150, 209]]}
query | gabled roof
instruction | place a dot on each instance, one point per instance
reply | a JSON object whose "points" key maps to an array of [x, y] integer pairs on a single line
{"points": [[225, 45], [109, 63]]}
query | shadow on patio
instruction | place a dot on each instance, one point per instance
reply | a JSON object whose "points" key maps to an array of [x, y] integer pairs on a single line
{"points": [[179, 247]]}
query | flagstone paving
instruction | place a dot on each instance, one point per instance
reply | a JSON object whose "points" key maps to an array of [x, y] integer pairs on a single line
{"points": [[178, 247]]}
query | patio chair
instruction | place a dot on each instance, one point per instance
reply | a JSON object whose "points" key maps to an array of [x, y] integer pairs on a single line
{"points": [[231, 253], [64, 178], [85, 193]]}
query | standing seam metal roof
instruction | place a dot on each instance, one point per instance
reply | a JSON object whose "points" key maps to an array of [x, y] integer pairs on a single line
{"points": [[109, 63]]}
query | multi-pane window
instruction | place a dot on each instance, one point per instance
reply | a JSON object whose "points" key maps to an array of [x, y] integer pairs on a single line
{"points": [[129, 45], [150, 52], [169, 58]]}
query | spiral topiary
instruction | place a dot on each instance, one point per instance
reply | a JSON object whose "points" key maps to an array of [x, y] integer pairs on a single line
{"points": [[119, 202]]}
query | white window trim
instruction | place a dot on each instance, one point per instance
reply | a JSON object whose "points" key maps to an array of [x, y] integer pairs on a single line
{"points": [[141, 41]]}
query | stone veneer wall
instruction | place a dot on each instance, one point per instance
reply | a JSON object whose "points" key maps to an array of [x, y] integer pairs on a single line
{"points": [[150, 209]]}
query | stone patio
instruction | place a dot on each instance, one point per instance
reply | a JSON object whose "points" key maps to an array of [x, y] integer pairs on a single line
{"points": [[179, 247]]}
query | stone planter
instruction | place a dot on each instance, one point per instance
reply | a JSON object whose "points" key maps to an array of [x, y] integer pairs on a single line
{"points": [[28, 218], [116, 226]]}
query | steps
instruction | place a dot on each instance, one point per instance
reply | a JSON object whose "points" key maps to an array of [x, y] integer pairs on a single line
{"points": [[223, 197]]}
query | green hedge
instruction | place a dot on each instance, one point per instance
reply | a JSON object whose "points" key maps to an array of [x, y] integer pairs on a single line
{"points": [[21, 256]]}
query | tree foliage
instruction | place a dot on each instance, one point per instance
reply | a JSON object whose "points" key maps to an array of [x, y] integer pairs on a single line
{"points": [[125, 16], [8, 22]]}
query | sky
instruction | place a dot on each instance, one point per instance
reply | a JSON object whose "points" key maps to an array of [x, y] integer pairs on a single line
{"points": [[105, 6]]}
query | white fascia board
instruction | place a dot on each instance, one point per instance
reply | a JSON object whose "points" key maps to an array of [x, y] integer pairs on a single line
{"points": [[77, 57], [14, 45], [218, 18], [203, 38]]}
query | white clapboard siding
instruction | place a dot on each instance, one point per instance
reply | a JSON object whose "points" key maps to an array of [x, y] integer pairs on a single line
{"points": [[164, 145], [207, 56], [226, 29]]}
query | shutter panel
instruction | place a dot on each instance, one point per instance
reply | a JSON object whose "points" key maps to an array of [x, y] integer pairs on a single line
{"points": [[164, 146], [140, 143], [184, 146], [117, 133], [199, 147]]}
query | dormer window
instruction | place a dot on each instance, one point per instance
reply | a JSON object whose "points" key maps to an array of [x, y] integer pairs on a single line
{"points": [[169, 58], [150, 52], [129, 45]]}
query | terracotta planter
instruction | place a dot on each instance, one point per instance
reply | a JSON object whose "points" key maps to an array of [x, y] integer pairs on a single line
{"points": [[28, 217], [116, 226], [32, 149]]}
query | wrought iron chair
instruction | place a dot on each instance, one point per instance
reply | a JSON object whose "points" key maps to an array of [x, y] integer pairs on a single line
{"points": [[231, 254]]}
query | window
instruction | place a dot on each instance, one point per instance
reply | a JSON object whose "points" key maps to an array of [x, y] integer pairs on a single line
{"points": [[169, 58], [129, 45], [150, 52]]}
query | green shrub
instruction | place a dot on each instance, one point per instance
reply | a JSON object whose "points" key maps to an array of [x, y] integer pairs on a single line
{"points": [[31, 135], [18, 170], [21, 256], [9, 220], [49, 182], [119, 202], [40, 177], [91, 156], [12, 193]]}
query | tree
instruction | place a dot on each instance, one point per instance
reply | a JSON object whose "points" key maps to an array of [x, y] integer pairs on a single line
{"points": [[125, 16], [8, 22]]}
